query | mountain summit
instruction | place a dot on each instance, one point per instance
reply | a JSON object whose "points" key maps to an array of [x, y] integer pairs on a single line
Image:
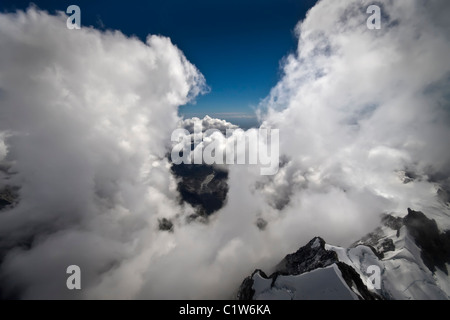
{"points": [[410, 253]]}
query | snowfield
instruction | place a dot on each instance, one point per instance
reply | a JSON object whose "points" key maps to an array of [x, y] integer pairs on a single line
{"points": [[320, 284]]}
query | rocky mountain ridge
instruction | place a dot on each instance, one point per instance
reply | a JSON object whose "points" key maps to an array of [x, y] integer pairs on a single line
{"points": [[411, 253]]}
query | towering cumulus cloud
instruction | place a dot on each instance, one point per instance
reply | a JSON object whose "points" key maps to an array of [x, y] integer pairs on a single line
{"points": [[86, 119], [85, 116], [364, 116]]}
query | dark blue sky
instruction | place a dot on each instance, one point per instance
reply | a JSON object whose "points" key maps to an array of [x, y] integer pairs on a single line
{"points": [[236, 44]]}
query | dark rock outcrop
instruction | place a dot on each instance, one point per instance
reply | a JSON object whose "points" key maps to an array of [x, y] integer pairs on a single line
{"points": [[434, 245], [246, 291], [261, 224], [307, 258], [395, 223], [353, 280], [202, 186], [165, 225], [8, 197]]}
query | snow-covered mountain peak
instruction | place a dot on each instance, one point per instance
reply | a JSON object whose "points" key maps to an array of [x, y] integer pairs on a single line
{"points": [[405, 258]]}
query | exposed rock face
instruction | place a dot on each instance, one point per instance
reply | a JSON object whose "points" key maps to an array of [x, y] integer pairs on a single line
{"points": [[434, 244], [353, 280], [3, 203], [261, 223], [387, 245], [395, 223], [8, 197], [203, 186], [377, 241], [307, 258], [246, 291], [165, 225]]}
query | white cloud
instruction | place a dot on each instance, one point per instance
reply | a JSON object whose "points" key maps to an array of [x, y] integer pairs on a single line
{"points": [[91, 115], [354, 107], [208, 123], [88, 114]]}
